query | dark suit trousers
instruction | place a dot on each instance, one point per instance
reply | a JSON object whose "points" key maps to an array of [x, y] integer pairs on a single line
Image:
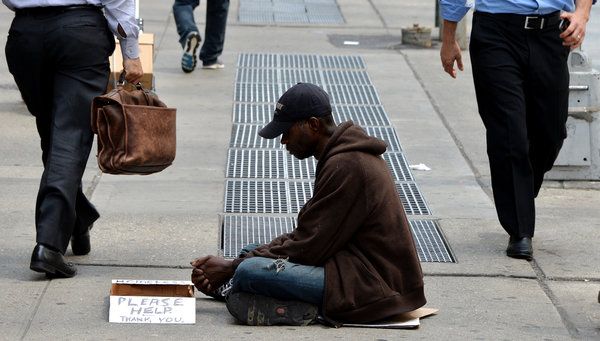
{"points": [[59, 61], [522, 87]]}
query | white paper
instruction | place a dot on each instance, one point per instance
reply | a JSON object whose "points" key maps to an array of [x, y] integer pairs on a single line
{"points": [[152, 309], [420, 166]]}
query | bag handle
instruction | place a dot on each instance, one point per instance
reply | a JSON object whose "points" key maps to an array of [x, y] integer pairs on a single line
{"points": [[122, 81], [138, 86]]}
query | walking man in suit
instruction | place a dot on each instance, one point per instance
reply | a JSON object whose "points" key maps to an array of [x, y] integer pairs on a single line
{"points": [[58, 53]]}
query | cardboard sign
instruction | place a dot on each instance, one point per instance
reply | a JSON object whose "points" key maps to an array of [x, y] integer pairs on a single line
{"points": [[152, 301]]}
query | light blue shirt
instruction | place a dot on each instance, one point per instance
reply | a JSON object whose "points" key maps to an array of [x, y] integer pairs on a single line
{"points": [[454, 10], [117, 12]]}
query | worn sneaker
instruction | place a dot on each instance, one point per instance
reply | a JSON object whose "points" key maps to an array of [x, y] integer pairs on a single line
{"points": [[258, 310], [217, 64], [188, 60]]}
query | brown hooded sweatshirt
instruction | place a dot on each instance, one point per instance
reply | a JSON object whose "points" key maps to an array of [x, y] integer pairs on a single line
{"points": [[355, 227]]}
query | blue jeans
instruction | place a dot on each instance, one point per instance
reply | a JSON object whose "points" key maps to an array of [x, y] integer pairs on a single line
{"points": [[214, 33], [280, 279]]}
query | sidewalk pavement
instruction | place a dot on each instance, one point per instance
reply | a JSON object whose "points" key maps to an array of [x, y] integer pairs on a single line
{"points": [[152, 226]]}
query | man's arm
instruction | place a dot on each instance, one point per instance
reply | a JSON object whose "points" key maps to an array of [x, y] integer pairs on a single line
{"points": [[574, 34], [450, 50], [452, 12], [121, 19]]}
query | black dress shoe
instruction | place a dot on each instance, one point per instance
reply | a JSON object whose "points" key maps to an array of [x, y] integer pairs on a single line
{"points": [[80, 244], [519, 248], [51, 262]]}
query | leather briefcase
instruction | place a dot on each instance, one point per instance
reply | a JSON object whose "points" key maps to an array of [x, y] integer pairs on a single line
{"points": [[136, 131]]}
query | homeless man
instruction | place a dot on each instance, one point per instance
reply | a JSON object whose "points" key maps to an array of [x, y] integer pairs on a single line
{"points": [[351, 257]]}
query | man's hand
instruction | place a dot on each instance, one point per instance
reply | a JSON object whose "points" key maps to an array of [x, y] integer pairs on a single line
{"points": [[574, 34], [133, 70], [211, 272], [450, 51]]}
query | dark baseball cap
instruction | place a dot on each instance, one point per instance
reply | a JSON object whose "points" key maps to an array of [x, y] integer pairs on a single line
{"points": [[301, 101]]}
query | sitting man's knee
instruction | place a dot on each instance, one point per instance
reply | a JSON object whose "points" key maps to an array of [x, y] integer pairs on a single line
{"points": [[249, 268]]}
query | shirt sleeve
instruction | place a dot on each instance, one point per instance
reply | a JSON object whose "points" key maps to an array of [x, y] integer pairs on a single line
{"points": [[454, 10], [122, 13]]}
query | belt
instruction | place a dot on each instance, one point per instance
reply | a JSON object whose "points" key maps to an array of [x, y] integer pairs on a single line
{"points": [[526, 22], [53, 10]]}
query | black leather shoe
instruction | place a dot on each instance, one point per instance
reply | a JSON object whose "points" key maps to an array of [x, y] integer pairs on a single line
{"points": [[519, 248], [51, 262], [80, 243]]}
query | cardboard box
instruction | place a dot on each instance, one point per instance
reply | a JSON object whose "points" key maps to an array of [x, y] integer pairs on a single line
{"points": [[146, 47], [152, 301]]}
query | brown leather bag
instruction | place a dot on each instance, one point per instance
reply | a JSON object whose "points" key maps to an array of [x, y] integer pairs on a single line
{"points": [[136, 131]]}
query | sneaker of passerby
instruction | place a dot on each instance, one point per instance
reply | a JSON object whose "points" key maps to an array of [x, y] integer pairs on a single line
{"points": [[214, 65], [214, 32], [189, 58], [258, 310]]}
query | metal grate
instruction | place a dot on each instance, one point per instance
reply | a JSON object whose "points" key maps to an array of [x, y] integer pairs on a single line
{"points": [[271, 196], [349, 77], [268, 164], [365, 116], [301, 169], [256, 5], [256, 17], [307, 75], [288, 6], [258, 92], [256, 163], [352, 94], [262, 113], [252, 75], [300, 61], [291, 17], [257, 60], [411, 198], [249, 196], [342, 62], [318, 18], [285, 183], [300, 193], [239, 231], [387, 134], [430, 243], [294, 76], [290, 11], [246, 136], [398, 166], [253, 113]]}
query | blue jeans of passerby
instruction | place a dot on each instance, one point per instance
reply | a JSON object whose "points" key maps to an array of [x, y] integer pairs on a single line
{"points": [[280, 279], [214, 32]]}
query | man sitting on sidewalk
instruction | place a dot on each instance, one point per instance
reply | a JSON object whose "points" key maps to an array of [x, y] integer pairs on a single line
{"points": [[351, 257]]}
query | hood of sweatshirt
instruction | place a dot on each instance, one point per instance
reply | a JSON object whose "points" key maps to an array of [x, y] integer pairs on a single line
{"points": [[349, 137]]}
